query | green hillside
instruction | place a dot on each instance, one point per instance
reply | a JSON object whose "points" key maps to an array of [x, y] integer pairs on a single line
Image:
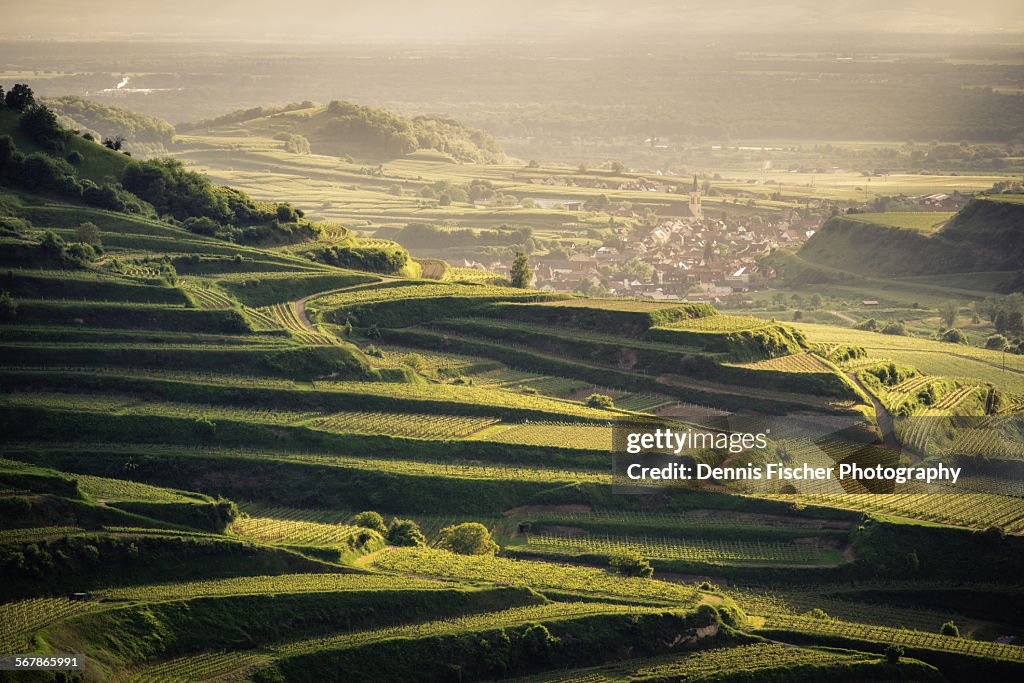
{"points": [[142, 134], [986, 235], [347, 129], [241, 445]]}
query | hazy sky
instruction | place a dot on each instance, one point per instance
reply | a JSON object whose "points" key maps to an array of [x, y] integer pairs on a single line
{"points": [[486, 19]]}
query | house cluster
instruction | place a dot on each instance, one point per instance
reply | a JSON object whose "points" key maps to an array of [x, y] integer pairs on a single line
{"points": [[680, 259], [941, 201]]}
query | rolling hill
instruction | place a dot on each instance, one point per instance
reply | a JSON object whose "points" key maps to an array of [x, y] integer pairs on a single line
{"points": [[346, 129]]}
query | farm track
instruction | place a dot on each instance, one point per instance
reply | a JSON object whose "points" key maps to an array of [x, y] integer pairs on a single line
{"points": [[884, 421]]}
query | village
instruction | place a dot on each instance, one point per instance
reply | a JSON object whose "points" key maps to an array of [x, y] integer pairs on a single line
{"points": [[679, 252]]}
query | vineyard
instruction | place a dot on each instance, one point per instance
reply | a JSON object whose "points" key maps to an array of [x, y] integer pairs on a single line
{"points": [[193, 427], [285, 316], [905, 637], [750, 658], [275, 529], [583, 580], [719, 323], [717, 551], [563, 435], [417, 426], [798, 362], [975, 510]]}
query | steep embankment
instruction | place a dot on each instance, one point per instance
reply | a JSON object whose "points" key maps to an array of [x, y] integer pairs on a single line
{"points": [[985, 235]]}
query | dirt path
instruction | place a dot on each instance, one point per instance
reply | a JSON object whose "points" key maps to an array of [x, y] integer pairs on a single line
{"points": [[884, 421], [843, 316], [300, 313], [300, 305]]}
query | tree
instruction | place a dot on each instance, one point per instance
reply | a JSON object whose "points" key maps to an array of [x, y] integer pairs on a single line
{"points": [[1015, 323], [798, 315], [88, 233], [893, 653], [618, 168], [469, 538], [600, 401], [521, 273], [20, 97], [948, 311], [370, 520], [949, 629], [631, 564], [815, 301], [538, 643], [40, 124], [405, 532]]}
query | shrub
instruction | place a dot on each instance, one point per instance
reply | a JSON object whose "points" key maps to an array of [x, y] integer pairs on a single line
{"points": [[954, 336], [949, 629], [893, 653], [894, 327], [8, 307], [370, 520], [405, 532], [631, 564], [469, 538], [600, 401], [996, 342], [75, 158]]}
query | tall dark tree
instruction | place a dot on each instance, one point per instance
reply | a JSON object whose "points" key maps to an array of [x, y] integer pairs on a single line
{"points": [[20, 97], [520, 272]]}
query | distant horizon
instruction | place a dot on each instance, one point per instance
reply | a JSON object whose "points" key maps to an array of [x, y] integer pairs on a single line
{"points": [[465, 21]]}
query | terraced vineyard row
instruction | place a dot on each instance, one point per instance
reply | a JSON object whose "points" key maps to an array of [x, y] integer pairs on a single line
{"points": [[207, 297], [130, 406], [714, 551], [976, 510], [219, 666], [644, 403], [798, 362], [419, 426], [472, 622], [293, 532], [718, 323], [750, 658], [991, 442], [906, 637], [375, 294], [584, 580], [285, 316], [255, 585], [105, 489], [799, 602], [20, 619], [449, 469], [563, 435]]}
